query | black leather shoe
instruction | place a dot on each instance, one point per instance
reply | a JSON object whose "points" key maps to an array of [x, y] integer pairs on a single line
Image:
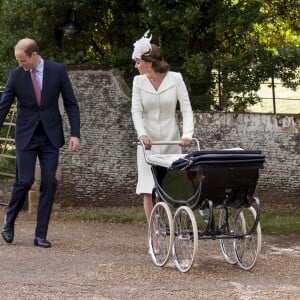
{"points": [[41, 242], [7, 232]]}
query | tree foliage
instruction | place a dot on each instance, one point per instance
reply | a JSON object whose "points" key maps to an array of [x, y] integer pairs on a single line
{"points": [[225, 48]]}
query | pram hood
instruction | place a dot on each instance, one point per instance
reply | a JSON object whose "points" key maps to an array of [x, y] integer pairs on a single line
{"points": [[218, 157]]}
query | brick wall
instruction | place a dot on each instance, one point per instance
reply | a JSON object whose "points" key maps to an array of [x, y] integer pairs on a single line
{"points": [[103, 172]]}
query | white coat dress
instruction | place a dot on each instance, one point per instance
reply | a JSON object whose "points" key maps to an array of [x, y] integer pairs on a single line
{"points": [[154, 114]]}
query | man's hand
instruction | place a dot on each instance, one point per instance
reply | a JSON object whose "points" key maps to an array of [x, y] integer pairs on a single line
{"points": [[74, 143]]}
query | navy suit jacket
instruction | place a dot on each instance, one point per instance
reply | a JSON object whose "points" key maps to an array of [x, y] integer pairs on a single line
{"points": [[55, 82]]}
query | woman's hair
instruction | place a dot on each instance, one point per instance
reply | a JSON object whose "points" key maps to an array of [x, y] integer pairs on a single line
{"points": [[159, 65]]}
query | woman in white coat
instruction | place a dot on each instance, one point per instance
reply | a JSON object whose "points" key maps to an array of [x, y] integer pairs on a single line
{"points": [[155, 93]]}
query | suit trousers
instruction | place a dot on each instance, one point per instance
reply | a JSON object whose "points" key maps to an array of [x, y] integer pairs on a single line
{"points": [[41, 148]]}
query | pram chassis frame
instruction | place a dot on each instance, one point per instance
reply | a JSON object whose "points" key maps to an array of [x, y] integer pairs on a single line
{"points": [[238, 224]]}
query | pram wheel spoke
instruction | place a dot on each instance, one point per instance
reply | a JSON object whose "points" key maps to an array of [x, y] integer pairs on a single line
{"points": [[185, 244], [160, 233], [247, 245]]}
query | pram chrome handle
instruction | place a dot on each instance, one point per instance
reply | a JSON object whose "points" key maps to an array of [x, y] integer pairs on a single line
{"points": [[195, 142]]}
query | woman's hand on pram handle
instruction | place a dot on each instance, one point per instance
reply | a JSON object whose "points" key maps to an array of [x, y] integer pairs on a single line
{"points": [[186, 141], [146, 141]]}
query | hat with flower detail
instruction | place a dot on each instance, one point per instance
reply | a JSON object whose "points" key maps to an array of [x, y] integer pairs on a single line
{"points": [[142, 46]]}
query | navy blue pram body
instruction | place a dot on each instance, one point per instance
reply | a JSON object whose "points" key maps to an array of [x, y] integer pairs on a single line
{"points": [[225, 177]]}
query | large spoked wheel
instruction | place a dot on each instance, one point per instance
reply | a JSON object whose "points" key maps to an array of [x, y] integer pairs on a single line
{"points": [[160, 233], [185, 244], [226, 226], [247, 245]]}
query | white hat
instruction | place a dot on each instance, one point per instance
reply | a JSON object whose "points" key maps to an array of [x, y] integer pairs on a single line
{"points": [[142, 46]]}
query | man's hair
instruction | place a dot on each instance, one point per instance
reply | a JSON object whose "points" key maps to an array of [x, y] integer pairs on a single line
{"points": [[28, 46]]}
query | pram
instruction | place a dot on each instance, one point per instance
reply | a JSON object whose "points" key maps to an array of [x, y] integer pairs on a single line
{"points": [[205, 195]]}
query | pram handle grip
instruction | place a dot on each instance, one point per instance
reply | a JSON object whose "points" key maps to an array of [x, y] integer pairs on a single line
{"points": [[161, 143], [195, 141], [166, 142]]}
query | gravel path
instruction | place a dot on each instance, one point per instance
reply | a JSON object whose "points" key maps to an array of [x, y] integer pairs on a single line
{"points": [[93, 260]]}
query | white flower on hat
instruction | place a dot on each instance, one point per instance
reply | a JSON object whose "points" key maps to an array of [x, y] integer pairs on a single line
{"points": [[142, 46]]}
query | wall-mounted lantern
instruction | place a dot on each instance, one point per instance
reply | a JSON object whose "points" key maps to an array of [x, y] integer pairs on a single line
{"points": [[70, 28]]}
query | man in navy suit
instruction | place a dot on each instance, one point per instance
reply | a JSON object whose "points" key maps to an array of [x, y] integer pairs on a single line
{"points": [[39, 131]]}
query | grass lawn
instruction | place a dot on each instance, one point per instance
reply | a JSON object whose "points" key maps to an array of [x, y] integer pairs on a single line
{"points": [[287, 101], [273, 220]]}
